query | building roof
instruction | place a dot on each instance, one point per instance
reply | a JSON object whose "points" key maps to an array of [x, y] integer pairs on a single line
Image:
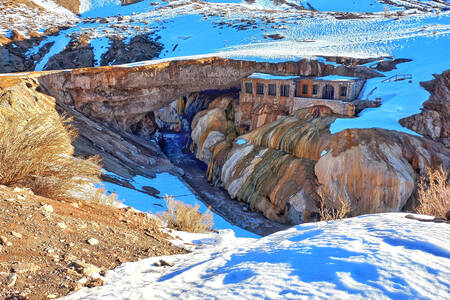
{"points": [[272, 77]]}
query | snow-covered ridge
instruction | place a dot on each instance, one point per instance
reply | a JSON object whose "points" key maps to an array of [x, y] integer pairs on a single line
{"points": [[86, 5], [369, 257]]}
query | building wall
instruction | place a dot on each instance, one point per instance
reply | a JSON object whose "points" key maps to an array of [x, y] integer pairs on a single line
{"points": [[337, 106], [256, 110]]}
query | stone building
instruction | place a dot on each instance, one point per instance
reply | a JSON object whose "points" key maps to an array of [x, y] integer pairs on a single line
{"points": [[264, 98]]}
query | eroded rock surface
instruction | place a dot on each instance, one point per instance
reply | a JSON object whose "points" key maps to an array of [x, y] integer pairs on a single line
{"points": [[434, 120], [287, 167], [376, 170]]}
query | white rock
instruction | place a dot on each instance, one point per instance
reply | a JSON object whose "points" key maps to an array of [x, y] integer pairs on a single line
{"points": [[61, 225], [11, 280], [16, 234], [92, 241], [47, 208]]}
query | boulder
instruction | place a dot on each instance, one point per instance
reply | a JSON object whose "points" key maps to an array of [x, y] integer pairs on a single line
{"points": [[375, 170]]}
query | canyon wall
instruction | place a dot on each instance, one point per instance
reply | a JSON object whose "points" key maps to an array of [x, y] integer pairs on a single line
{"points": [[123, 96]]}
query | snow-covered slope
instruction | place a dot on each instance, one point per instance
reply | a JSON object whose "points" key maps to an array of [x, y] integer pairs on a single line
{"points": [[382, 256]]}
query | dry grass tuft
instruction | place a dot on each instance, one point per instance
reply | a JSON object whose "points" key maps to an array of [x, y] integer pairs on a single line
{"points": [[36, 152], [100, 196], [184, 217], [339, 210], [434, 193]]}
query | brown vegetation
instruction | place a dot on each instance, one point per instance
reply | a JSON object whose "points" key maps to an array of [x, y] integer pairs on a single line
{"points": [[184, 217], [434, 193], [36, 152], [339, 210]]}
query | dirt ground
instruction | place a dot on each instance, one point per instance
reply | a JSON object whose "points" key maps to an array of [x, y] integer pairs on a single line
{"points": [[51, 248]]}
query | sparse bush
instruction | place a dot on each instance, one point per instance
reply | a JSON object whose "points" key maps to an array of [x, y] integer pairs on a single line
{"points": [[339, 210], [100, 196], [434, 193], [184, 217], [36, 152]]}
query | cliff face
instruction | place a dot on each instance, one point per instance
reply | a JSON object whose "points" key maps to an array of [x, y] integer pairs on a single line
{"points": [[434, 120], [124, 96]]}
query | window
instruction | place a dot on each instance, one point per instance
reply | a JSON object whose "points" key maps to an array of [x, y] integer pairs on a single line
{"points": [[343, 91], [272, 89], [260, 88], [315, 89], [304, 89], [249, 88], [284, 90]]}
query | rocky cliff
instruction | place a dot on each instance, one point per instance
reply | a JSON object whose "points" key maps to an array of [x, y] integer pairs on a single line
{"points": [[434, 120], [124, 96]]}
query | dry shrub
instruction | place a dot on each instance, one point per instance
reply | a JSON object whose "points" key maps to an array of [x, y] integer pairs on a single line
{"points": [[184, 217], [434, 193], [100, 196], [36, 152], [339, 210]]}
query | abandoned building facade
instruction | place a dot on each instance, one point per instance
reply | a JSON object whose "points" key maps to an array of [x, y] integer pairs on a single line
{"points": [[268, 97]]}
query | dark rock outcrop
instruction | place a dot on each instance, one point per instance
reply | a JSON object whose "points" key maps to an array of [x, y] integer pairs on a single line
{"points": [[434, 120], [77, 54], [140, 48]]}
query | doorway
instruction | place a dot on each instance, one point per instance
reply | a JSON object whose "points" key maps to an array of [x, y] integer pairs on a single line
{"points": [[328, 92]]}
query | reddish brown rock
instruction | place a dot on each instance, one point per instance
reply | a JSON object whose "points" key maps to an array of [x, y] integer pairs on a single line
{"points": [[374, 169]]}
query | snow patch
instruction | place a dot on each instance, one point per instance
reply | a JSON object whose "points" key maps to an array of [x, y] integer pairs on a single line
{"points": [[384, 256]]}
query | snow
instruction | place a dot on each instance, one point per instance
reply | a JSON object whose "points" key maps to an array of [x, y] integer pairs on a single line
{"points": [[60, 42], [168, 184], [384, 256], [87, 5], [337, 78], [347, 5], [271, 77], [51, 6], [401, 99], [100, 46]]}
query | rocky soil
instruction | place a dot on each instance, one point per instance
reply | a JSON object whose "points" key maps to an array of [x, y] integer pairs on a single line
{"points": [[51, 248]]}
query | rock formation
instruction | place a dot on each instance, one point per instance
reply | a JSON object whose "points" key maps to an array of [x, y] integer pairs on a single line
{"points": [[375, 169], [283, 169], [434, 120], [286, 168], [123, 96]]}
